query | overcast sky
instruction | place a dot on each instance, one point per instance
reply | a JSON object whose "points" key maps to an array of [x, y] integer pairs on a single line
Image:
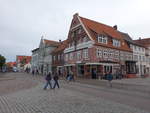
{"points": [[23, 22]]}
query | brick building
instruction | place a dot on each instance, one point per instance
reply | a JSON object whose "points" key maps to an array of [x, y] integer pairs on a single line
{"points": [[58, 57], [93, 47], [21, 61]]}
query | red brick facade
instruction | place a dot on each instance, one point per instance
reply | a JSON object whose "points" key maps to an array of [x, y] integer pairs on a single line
{"points": [[84, 54]]}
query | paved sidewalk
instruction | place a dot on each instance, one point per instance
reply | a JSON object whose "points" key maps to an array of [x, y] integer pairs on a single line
{"points": [[134, 84], [73, 97], [13, 82], [62, 100]]}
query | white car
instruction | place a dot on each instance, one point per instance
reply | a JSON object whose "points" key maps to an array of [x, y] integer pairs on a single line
{"points": [[14, 69]]}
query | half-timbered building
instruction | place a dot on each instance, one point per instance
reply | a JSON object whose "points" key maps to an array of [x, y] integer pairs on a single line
{"points": [[94, 47]]}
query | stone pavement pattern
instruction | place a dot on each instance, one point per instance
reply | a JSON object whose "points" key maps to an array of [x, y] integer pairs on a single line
{"points": [[67, 99]]}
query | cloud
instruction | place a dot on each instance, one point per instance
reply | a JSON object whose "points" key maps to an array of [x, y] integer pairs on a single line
{"points": [[23, 22]]}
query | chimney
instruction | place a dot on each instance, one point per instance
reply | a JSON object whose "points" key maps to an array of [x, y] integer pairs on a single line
{"points": [[59, 40], [75, 15], [139, 38], [115, 27]]}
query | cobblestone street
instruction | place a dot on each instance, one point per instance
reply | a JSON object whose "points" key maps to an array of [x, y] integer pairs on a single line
{"points": [[23, 93]]}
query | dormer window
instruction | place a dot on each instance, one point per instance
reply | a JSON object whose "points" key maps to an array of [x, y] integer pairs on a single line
{"points": [[102, 39], [79, 31], [116, 43], [85, 39]]}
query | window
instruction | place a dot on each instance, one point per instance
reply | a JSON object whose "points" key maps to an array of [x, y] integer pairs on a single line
{"points": [[139, 49], [69, 45], [85, 53], [54, 58], [131, 46], [58, 57], [135, 48], [66, 57], [79, 55], [99, 53], [135, 57], [102, 39], [107, 69], [143, 49], [62, 56], [122, 56], [105, 54], [71, 56], [111, 53], [79, 41], [143, 59], [116, 43], [79, 30], [85, 39], [116, 54], [140, 58], [72, 35]]}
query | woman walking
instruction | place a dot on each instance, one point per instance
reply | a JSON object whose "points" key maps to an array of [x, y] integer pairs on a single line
{"points": [[56, 80], [48, 81]]}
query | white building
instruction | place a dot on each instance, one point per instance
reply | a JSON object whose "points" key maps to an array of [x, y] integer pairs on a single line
{"points": [[41, 57], [139, 53], [146, 43]]}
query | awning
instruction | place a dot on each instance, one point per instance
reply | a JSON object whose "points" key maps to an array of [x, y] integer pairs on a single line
{"points": [[69, 65], [113, 64], [59, 66], [94, 63]]}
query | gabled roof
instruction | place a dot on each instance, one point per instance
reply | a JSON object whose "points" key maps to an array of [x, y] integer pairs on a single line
{"points": [[95, 27], [129, 39], [61, 47], [100, 28], [126, 37], [51, 42], [145, 41]]}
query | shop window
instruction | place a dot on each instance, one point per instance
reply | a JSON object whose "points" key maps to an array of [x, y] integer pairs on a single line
{"points": [[81, 69], [107, 69]]}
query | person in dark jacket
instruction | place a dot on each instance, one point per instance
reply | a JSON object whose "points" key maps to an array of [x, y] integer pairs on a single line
{"points": [[109, 78], [48, 81], [56, 80]]}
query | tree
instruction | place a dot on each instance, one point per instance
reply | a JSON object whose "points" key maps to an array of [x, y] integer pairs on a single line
{"points": [[2, 61]]}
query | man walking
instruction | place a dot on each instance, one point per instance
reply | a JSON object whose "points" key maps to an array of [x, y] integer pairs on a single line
{"points": [[56, 81], [48, 81]]}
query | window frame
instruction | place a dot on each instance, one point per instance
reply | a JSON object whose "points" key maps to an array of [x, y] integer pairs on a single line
{"points": [[102, 39]]}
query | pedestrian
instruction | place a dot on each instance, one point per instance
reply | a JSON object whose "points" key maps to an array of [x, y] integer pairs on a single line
{"points": [[72, 76], [56, 80], [109, 78], [33, 72], [48, 81]]}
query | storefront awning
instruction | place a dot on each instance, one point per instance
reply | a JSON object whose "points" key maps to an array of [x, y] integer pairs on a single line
{"points": [[90, 63], [69, 65], [59, 66], [113, 64]]}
